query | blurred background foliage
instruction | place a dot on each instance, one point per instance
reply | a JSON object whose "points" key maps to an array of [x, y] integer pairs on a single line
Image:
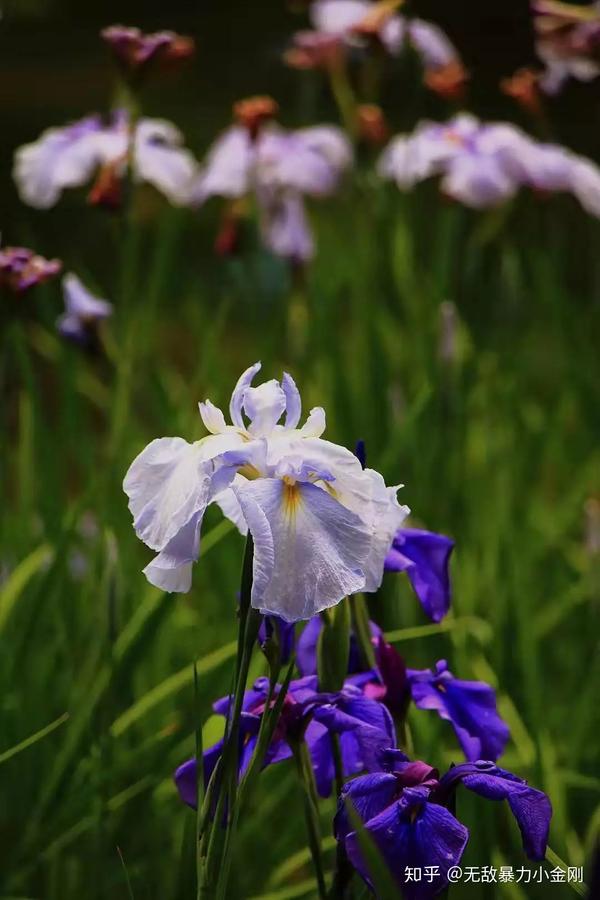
{"points": [[462, 346]]}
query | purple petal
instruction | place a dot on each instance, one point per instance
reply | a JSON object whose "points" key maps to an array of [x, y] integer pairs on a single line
{"points": [[531, 808], [424, 556], [469, 705], [413, 833]]}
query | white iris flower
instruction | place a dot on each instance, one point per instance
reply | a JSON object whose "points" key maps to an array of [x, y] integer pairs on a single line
{"points": [[321, 524]]}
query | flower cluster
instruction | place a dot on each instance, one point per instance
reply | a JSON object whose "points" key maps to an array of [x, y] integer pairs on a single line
{"points": [[484, 164]]}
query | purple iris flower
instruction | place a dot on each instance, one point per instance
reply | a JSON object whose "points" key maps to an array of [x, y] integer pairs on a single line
{"points": [[405, 811], [21, 269], [83, 312], [469, 705], [424, 556], [363, 726]]}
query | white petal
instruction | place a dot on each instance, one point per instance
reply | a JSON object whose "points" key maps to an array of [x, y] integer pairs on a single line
{"points": [[212, 416], [338, 16], [167, 484], [237, 397], [308, 548], [161, 160], [264, 406], [80, 302], [586, 185], [230, 506], [315, 424], [171, 570], [60, 158], [293, 408], [226, 172], [385, 515], [284, 226]]}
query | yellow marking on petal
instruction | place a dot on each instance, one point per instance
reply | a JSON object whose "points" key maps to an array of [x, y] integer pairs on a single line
{"points": [[331, 490], [291, 497], [249, 471]]}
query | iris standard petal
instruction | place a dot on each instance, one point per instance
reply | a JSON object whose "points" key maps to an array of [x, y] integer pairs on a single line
{"points": [[264, 405], [293, 403], [308, 548], [237, 397]]}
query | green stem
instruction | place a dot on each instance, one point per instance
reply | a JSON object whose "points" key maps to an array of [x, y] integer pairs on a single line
{"points": [[362, 630], [311, 812], [218, 852]]}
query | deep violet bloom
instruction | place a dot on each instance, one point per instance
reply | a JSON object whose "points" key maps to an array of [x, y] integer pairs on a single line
{"points": [[364, 728], [135, 49], [21, 269], [469, 705], [405, 810], [83, 311], [424, 556], [73, 155]]}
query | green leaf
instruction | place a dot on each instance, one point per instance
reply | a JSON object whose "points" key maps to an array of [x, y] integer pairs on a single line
{"points": [[20, 578], [34, 738]]}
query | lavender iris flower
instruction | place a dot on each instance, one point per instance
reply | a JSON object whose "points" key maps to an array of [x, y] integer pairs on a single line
{"points": [[280, 168], [364, 728], [469, 705], [405, 811], [71, 156], [484, 164], [83, 311], [425, 557], [21, 269]]}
